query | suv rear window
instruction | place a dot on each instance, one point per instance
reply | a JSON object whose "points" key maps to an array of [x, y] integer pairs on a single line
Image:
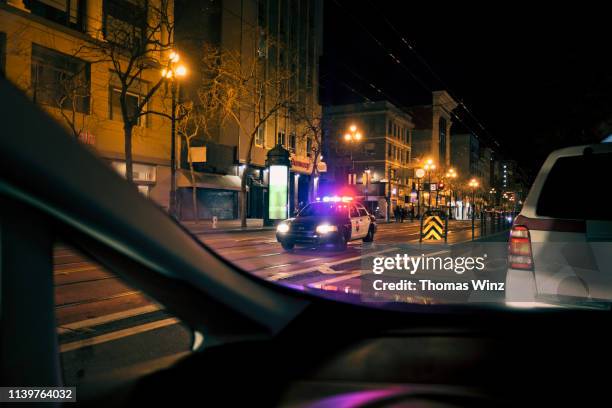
{"points": [[577, 188]]}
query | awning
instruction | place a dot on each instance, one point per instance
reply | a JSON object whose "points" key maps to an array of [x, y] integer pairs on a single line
{"points": [[208, 180]]}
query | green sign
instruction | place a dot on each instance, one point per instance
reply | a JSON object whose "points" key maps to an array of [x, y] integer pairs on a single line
{"points": [[277, 206]]}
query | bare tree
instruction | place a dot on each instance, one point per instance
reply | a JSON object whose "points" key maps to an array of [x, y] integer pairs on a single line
{"points": [[240, 84], [189, 121], [132, 48], [73, 91], [312, 124]]}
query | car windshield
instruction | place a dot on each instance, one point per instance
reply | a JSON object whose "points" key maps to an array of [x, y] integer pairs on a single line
{"points": [[370, 152], [324, 209]]}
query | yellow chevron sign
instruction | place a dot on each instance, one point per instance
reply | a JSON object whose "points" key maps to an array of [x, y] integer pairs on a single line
{"points": [[433, 228]]}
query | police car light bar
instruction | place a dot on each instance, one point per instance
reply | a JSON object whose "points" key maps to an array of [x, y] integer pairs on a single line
{"points": [[335, 199]]}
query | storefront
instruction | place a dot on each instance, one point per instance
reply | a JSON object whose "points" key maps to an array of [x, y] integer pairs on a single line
{"points": [[216, 195], [144, 175]]}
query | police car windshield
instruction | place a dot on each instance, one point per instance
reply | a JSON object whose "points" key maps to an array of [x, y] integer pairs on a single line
{"points": [[324, 209]]}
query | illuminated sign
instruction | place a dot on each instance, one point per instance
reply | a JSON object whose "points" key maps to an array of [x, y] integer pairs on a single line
{"points": [[278, 193]]}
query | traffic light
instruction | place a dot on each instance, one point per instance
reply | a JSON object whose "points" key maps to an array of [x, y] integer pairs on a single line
{"points": [[441, 185]]}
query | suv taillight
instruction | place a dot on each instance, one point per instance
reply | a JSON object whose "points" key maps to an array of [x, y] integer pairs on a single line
{"points": [[519, 248]]}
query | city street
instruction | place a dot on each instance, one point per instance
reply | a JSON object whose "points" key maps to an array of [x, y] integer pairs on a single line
{"points": [[104, 324]]}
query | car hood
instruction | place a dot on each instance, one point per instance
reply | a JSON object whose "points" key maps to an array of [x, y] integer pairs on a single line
{"points": [[314, 221]]}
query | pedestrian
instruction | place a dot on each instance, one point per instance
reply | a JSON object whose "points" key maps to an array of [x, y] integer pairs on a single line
{"points": [[412, 214], [402, 214], [396, 213]]}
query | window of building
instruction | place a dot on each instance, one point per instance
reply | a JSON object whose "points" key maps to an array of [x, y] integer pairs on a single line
{"points": [[369, 149], [66, 12], [280, 138], [133, 99], [309, 147], [292, 141], [260, 137], [125, 22], [60, 80]]}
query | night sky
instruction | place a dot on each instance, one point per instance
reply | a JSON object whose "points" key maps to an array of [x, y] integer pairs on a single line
{"points": [[534, 79]]}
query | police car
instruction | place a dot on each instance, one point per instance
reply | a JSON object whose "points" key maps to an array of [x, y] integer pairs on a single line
{"points": [[330, 221]]}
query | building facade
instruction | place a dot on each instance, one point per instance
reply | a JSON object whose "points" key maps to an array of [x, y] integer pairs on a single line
{"points": [[377, 165], [432, 134], [41, 47], [278, 38]]}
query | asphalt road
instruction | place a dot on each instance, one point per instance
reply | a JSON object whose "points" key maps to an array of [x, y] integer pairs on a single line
{"points": [[104, 325]]}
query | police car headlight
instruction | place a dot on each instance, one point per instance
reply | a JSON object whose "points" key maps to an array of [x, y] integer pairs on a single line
{"points": [[326, 228], [282, 227]]}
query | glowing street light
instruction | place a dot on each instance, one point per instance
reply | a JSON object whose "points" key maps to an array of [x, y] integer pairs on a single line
{"points": [[171, 73], [473, 185], [352, 137], [181, 71], [429, 167]]}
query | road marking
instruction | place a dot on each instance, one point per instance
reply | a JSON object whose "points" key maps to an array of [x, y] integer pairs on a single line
{"points": [[277, 266], [284, 275], [249, 239], [96, 321], [82, 302], [104, 338], [312, 259], [60, 271], [336, 279], [326, 269], [272, 254]]}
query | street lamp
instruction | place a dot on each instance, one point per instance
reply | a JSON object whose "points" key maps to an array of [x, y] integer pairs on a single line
{"points": [[429, 167], [353, 136], [419, 173], [473, 185], [451, 175], [366, 182], [172, 73]]}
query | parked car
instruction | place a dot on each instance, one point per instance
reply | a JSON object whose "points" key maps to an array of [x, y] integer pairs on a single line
{"points": [[559, 247]]}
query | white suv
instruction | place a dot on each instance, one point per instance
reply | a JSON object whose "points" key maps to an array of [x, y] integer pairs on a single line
{"points": [[560, 246]]}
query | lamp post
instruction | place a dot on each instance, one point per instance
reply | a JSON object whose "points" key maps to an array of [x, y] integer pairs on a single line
{"points": [[366, 182], [451, 175], [172, 73], [388, 193], [419, 173], [473, 185], [429, 167], [352, 137], [492, 197]]}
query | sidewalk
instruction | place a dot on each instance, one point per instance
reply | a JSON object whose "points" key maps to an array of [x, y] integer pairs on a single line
{"points": [[224, 226]]}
